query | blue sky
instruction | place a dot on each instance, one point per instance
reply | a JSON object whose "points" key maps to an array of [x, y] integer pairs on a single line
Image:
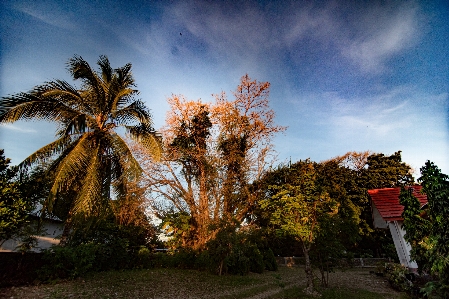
{"points": [[345, 75]]}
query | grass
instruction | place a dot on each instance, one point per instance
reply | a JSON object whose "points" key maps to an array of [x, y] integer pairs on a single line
{"points": [[174, 283]]}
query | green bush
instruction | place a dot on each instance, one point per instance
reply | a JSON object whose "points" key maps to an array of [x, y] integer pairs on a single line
{"points": [[396, 275], [270, 260], [237, 262], [203, 261], [68, 262], [256, 260]]}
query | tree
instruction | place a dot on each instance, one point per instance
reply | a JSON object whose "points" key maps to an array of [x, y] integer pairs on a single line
{"points": [[366, 171], [14, 208], [88, 152], [213, 151], [298, 210], [427, 229]]}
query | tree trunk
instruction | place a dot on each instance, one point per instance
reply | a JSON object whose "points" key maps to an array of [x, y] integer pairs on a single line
{"points": [[308, 269], [65, 233]]}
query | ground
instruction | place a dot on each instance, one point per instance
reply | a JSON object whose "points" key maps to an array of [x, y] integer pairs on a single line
{"points": [[174, 283]]}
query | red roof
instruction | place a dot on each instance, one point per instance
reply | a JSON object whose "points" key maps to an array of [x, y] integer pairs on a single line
{"points": [[386, 201]]}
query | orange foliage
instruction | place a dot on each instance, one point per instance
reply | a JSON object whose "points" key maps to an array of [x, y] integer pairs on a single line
{"points": [[212, 152]]}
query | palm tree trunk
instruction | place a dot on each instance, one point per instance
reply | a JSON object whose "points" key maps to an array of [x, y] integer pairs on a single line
{"points": [[65, 233]]}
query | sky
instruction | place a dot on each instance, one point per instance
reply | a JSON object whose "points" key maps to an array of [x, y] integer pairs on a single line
{"points": [[345, 75]]}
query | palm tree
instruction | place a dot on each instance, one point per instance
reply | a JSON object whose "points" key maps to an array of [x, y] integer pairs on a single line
{"points": [[88, 152]]}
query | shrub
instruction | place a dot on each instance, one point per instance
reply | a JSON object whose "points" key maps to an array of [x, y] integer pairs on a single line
{"points": [[68, 262], [256, 261], [397, 276], [270, 260], [237, 262]]}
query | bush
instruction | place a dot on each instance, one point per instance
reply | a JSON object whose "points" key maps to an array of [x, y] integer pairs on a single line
{"points": [[398, 277], [68, 262], [74, 261], [237, 262], [256, 261], [270, 260]]}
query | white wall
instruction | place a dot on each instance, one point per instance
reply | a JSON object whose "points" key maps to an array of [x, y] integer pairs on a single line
{"points": [[52, 230]]}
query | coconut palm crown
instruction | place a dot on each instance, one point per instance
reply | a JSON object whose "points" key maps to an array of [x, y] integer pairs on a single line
{"points": [[88, 151]]}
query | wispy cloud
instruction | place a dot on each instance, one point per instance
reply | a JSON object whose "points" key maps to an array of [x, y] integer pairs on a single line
{"points": [[52, 15], [381, 33], [17, 128]]}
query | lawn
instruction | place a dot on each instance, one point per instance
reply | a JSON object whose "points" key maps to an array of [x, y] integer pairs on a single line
{"points": [[176, 283]]}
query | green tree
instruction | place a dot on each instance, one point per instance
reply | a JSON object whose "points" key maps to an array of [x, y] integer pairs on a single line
{"points": [[88, 151], [386, 171], [297, 210], [14, 209], [366, 170], [428, 229]]}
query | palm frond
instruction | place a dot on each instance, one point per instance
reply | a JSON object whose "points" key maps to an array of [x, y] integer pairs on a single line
{"points": [[105, 66], [125, 77], [79, 124], [121, 98], [65, 93], [125, 166], [149, 140], [80, 69], [48, 151], [73, 165], [90, 198], [135, 112], [27, 106]]}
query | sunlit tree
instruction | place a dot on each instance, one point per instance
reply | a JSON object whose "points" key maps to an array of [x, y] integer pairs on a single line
{"points": [[212, 153]]}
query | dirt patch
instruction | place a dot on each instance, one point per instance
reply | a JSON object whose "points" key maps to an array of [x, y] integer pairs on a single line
{"points": [[361, 278]]}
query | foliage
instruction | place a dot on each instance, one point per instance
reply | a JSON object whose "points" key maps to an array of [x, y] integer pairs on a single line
{"points": [[387, 171], [364, 171], [89, 155], [398, 276], [270, 260], [175, 226], [213, 152], [15, 209], [299, 208], [427, 229], [232, 251]]}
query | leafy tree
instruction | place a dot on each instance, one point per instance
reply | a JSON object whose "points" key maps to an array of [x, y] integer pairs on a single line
{"points": [[387, 171], [89, 153], [14, 208], [428, 230], [298, 209], [366, 170]]}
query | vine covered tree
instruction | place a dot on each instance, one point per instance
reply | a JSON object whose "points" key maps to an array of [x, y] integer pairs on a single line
{"points": [[213, 152], [88, 153]]}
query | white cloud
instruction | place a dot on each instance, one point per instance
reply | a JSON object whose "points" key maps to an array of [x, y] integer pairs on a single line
{"points": [[17, 128], [382, 32], [51, 15]]}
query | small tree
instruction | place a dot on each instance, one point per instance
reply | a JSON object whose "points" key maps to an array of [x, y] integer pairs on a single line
{"points": [[428, 229], [15, 208], [297, 209]]}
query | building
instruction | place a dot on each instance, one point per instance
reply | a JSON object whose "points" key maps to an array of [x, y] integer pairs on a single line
{"points": [[387, 214]]}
